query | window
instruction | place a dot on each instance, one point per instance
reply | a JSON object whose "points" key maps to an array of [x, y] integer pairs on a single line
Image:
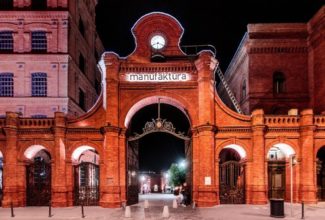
{"points": [[81, 27], [82, 99], [82, 66], [6, 4], [243, 92], [278, 83], [6, 41], [39, 84], [39, 41], [39, 4], [6, 85]]}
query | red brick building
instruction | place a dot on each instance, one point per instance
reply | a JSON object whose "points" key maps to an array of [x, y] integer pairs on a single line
{"points": [[49, 51], [279, 67], [268, 156]]}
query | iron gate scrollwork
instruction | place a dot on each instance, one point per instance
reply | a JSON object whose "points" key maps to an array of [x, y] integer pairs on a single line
{"points": [[232, 182], [86, 190], [38, 182]]}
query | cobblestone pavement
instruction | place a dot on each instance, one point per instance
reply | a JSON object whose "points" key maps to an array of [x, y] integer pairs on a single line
{"points": [[155, 210]]}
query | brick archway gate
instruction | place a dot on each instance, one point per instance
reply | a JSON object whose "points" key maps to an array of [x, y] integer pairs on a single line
{"points": [[183, 81]]}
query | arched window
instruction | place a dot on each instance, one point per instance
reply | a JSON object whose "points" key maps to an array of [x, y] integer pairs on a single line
{"points": [[278, 83], [39, 84], [39, 4], [81, 27], [243, 90], [6, 85], [6, 41], [6, 4], [39, 41]]}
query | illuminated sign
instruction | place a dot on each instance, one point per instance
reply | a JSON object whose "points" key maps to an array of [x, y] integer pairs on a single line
{"points": [[157, 77]]}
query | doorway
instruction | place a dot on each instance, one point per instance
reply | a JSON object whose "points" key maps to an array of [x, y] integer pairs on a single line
{"points": [[231, 177], [86, 176], [320, 172], [38, 179], [156, 140]]}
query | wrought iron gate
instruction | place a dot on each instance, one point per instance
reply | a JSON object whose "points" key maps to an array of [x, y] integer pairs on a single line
{"points": [[38, 179], [232, 182], [276, 174], [320, 171], [86, 190]]}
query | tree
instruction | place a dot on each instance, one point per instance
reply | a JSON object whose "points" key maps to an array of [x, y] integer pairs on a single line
{"points": [[177, 175]]}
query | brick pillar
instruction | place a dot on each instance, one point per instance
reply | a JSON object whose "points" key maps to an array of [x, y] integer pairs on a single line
{"points": [[122, 162], [256, 182], [110, 185], [308, 188], [204, 165], [69, 181], [59, 186], [10, 163]]}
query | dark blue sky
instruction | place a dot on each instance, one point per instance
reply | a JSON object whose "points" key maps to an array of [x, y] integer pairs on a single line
{"points": [[221, 23]]}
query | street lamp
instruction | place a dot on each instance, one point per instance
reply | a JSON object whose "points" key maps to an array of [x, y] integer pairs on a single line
{"points": [[293, 161], [182, 164]]}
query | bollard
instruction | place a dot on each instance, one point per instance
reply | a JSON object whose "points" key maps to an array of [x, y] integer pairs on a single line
{"points": [[12, 210], [193, 205], [146, 204], [165, 212], [127, 213], [123, 205], [175, 204], [50, 209], [302, 210], [82, 211]]}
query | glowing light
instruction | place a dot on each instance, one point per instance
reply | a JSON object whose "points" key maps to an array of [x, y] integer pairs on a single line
{"points": [[240, 150], [77, 152], [32, 151], [1, 155], [182, 163], [142, 178], [157, 42], [152, 100], [158, 77], [134, 173], [286, 149]]}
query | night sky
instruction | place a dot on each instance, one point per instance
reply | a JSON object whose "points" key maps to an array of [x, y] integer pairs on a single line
{"points": [[221, 23]]}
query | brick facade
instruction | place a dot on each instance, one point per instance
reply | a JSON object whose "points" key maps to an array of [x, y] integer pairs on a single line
{"points": [[295, 50], [59, 20], [213, 126]]}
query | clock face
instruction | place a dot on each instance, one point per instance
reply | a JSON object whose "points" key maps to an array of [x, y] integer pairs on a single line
{"points": [[157, 42]]}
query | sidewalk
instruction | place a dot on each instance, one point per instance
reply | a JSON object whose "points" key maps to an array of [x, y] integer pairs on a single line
{"points": [[154, 212]]}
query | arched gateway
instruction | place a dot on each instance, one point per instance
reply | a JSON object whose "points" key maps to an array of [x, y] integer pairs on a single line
{"points": [[221, 142]]}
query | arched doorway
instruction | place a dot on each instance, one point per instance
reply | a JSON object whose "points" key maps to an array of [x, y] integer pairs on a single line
{"points": [[1, 177], [38, 176], [157, 138], [320, 172], [280, 170], [85, 161], [232, 175]]}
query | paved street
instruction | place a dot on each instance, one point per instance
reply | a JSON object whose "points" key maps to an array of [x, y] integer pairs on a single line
{"points": [[154, 212]]}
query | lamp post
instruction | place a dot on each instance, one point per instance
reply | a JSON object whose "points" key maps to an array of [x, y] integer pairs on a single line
{"points": [[292, 162]]}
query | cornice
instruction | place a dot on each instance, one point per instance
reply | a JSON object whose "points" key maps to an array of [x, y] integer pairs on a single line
{"points": [[234, 129], [83, 130], [257, 50], [17, 15]]}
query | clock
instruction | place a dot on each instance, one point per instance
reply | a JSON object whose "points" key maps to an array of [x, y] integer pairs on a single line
{"points": [[157, 42]]}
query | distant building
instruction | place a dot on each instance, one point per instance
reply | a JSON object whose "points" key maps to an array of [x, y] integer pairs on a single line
{"points": [[278, 67], [48, 57]]}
